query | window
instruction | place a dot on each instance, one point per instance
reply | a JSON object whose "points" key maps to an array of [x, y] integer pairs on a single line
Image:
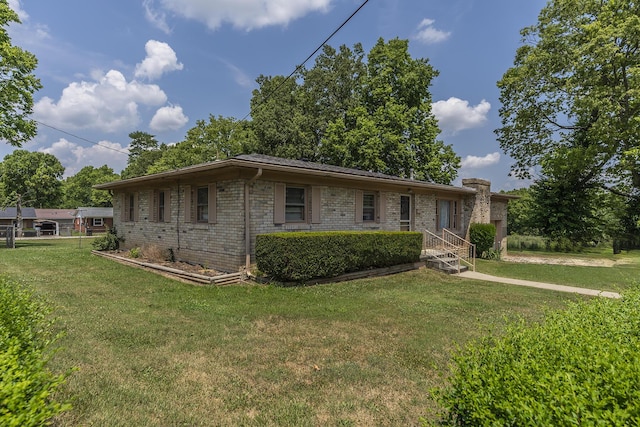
{"points": [[161, 201], [98, 222], [132, 207], [202, 204], [293, 204], [447, 214], [161, 206], [199, 204], [294, 207], [368, 207], [129, 207]]}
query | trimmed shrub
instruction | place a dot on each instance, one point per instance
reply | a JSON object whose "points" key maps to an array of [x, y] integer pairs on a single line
{"points": [[483, 236], [300, 256], [578, 367], [26, 385]]}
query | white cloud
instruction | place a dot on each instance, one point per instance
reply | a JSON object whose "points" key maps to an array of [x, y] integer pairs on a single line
{"points": [[240, 77], [157, 19], [15, 5], [160, 59], [475, 162], [168, 118], [456, 114], [109, 104], [74, 157], [428, 34], [26, 34], [245, 14]]}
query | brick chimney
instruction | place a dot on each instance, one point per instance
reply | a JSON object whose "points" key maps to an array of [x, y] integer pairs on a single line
{"points": [[481, 212]]}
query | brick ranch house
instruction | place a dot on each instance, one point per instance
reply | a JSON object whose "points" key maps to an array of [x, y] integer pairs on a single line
{"points": [[211, 213]]}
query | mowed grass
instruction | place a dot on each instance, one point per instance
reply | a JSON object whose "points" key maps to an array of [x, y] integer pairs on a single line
{"points": [[625, 273], [156, 352]]}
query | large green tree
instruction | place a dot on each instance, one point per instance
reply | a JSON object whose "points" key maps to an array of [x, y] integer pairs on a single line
{"points": [[519, 212], [217, 139], [374, 114], [35, 176], [280, 120], [574, 91], [392, 129], [144, 151], [17, 84], [562, 202], [78, 189]]}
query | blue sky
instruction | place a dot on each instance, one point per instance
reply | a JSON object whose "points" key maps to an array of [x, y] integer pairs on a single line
{"points": [[111, 68]]}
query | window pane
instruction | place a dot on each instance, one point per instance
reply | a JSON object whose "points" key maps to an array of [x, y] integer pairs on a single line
{"points": [[445, 213], [131, 207], [161, 206], [368, 207], [405, 205], [294, 213], [294, 205], [202, 207], [454, 221]]}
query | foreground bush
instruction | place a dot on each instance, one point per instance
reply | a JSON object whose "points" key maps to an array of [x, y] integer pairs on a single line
{"points": [[109, 241], [300, 256], [580, 366], [26, 385]]}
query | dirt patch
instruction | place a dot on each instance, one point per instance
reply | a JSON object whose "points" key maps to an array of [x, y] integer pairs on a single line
{"points": [[529, 259], [150, 258]]}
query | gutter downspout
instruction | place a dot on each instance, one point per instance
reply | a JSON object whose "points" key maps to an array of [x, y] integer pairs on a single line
{"points": [[247, 219]]}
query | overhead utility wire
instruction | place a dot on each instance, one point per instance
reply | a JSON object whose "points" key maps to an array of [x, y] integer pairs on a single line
{"points": [[266, 98], [81, 138]]}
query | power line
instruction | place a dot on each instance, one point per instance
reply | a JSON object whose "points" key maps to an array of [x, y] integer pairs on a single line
{"points": [[81, 138], [266, 98]]}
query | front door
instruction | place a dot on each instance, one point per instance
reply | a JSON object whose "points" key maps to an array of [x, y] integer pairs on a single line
{"points": [[405, 213]]}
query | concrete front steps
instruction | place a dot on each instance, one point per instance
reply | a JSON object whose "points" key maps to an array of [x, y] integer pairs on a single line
{"points": [[445, 262]]}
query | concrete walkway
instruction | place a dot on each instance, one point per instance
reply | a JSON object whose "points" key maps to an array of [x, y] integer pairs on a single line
{"points": [[549, 286]]}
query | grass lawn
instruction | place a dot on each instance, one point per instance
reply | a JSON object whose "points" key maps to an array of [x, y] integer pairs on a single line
{"points": [[625, 273], [156, 352]]}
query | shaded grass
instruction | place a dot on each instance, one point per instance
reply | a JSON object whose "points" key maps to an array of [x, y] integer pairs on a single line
{"points": [[616, 278], [152, 351]]}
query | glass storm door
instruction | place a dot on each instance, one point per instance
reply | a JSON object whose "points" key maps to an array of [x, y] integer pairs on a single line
{"points": [[405, 213]]}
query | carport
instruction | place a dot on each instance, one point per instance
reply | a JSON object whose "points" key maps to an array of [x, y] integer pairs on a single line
{"points": [[47, 228]]}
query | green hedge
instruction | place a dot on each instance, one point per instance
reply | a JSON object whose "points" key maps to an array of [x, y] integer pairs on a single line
{"points": [[26, 385], [483, 236], [581, 366], [301, 256]]}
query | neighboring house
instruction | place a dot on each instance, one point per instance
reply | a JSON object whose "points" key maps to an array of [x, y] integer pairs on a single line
{"points": [[211, 213], [94, 220], [55, 222], [9, 217]]}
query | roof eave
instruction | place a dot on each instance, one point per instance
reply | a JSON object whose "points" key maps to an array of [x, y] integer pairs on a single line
{"points": [[205, 167]]}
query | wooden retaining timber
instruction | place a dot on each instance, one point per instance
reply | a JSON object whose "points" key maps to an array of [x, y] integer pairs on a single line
{"points": [[227, 279], [221, 279], [374, 272]]}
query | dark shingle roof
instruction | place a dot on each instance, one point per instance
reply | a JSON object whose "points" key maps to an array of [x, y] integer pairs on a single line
{"points": [[10, 213], [275, 163], [261, 158]]}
